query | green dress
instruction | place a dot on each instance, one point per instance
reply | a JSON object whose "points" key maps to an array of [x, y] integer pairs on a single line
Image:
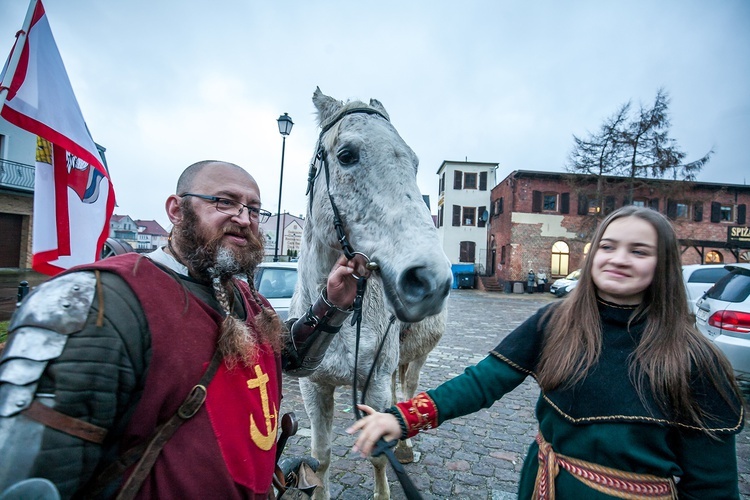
{"points": [[601, 419]]}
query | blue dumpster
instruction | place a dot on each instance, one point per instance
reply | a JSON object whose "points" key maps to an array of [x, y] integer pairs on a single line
{"points": [[459, 269], [466, 280]]}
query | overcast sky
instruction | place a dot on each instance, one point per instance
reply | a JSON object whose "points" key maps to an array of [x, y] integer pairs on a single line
{"points": [[163, 84]]}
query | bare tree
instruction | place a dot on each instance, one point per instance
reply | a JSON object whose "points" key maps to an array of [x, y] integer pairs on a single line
{"points": [[600, 154], [635, 150]]}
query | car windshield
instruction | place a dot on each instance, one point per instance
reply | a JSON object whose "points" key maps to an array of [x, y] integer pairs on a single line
{"points": [[734, 287], [574, 275], [276, 283], [709, 275]]}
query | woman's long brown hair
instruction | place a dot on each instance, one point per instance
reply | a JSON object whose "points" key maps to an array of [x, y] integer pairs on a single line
{"points": [[670, 347]]}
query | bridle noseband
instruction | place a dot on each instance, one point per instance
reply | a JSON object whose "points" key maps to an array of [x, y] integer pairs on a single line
{"points": [[381, 447]]}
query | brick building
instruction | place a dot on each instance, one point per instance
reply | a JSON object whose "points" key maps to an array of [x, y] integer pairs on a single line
{"points": [[545, 220]]}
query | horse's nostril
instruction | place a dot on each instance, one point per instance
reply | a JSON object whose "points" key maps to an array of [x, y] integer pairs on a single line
{"points": [[417, 283]]}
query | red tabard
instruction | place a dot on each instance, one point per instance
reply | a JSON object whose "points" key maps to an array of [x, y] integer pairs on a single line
{"points": [[227, 450]]}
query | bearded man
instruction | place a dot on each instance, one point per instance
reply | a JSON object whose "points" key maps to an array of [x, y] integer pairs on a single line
{"points": [[159, 376]]}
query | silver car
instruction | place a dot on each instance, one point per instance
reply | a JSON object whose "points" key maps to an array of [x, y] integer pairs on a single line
{"points": [[723, 315], [276, 281], [561, 287], [699, 278]]}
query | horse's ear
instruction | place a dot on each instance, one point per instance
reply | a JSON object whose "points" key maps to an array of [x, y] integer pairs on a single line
{"points": [[374, 103], [327, 106]]}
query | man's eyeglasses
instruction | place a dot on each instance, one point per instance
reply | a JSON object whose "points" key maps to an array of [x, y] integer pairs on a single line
{"points": [[233, 207]]}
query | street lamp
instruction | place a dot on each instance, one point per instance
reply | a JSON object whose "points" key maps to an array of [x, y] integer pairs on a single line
{"points": [[285, 128]]}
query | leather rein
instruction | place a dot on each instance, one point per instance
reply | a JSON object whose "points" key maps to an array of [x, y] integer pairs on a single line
{"points": [[321, 156]]}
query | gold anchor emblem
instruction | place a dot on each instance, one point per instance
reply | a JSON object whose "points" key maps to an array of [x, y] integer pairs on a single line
{"points": [[263, 441]]}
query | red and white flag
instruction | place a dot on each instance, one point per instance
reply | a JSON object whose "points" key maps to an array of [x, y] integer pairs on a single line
{"points": [[73, 194]]}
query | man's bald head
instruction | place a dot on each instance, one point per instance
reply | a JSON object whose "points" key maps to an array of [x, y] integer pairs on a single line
{"points": [[186, 182]]}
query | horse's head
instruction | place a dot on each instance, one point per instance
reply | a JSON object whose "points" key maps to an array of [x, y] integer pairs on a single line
{"points": [[371, 179]]}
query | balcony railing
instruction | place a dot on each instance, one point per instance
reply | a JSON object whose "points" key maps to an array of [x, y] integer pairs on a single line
{"points": [[16, 176]]}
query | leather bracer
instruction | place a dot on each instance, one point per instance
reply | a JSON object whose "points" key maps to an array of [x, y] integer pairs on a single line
{"points": [[310, 336]]}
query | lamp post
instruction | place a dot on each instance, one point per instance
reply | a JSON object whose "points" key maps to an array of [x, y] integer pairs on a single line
{"points": [[285, 128]]}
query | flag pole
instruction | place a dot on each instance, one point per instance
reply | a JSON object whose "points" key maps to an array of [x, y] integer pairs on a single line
{"points": [[15, 55]]}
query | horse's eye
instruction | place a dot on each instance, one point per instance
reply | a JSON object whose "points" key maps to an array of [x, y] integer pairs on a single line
{"points": [[347, 157]]}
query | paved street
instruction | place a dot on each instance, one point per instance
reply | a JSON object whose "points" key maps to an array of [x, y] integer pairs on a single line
{"points": [[477, 456]]}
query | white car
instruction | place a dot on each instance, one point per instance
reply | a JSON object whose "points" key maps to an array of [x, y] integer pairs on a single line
{"points": [[723, 315], [698, 278], [276, 281], [563, 286]]}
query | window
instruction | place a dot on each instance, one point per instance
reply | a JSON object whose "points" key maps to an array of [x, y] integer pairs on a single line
{"points": [[726, 213], [586, 249], [470, 180], [466, 253], [441, 185], [560, 259], [682, 210], [458, 178], [640, 202], [456, 215], [440, 216], [469, 216], [483, 215], [499, 206], [713, 258], [549, 202], [594, 205], [677, 209], [483, 181]]}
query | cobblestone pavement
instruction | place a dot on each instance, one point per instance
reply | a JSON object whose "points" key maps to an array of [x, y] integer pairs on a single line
{"points": [[477, 456]]}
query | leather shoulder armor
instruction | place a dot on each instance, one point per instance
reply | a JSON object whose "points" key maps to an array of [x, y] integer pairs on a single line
{"points": [[38, 333]]}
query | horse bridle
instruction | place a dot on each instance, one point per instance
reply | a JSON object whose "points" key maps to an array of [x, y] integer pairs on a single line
{"points": [[381, 447]]}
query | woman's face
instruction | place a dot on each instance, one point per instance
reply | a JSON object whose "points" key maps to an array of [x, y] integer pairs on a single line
{"points": [[624, 264]]}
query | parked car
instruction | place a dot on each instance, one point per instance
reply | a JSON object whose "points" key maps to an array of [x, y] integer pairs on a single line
{"points": [[723, 315], [564, 286], [276, 281], [698, 278]]}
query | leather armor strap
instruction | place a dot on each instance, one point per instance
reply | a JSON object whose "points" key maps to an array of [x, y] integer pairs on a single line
{"points": [[164, 432], [146, 452], [64, 423]]}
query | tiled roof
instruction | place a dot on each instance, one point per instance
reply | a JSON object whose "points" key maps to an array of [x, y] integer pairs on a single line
{"points": [[152, 227]]}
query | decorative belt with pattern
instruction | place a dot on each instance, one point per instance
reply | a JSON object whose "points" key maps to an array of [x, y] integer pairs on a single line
{"points": [[604, 479]]}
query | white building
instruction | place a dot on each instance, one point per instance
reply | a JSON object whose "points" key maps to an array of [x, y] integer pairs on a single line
{"points": [[124, 228], [290, 240], [463, 209], [150, 235]]}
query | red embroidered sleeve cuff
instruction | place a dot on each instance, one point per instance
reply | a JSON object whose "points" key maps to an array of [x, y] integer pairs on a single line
{"points": [[418, 413]]}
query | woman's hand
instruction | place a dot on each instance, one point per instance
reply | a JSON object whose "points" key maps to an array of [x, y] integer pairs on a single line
{"points": [[373, 426]]}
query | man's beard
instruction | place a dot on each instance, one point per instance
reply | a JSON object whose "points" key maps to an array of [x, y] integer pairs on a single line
{"points": [[206, 257], [210, 261]]}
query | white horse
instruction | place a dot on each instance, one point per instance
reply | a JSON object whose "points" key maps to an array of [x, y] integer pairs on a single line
{"points": [[372, 181]]}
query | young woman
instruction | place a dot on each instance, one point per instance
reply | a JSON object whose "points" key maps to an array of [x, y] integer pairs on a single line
{"points": [[634, 402]]}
